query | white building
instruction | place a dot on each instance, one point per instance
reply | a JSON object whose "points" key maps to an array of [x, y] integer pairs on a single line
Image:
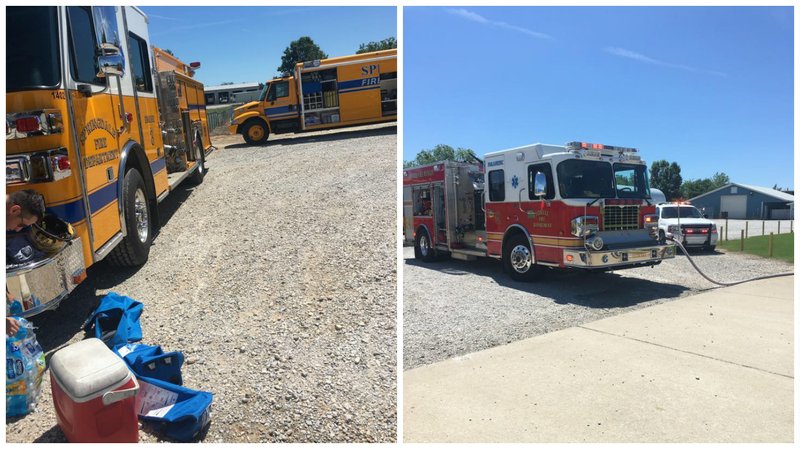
{"points": [[232, 93]]}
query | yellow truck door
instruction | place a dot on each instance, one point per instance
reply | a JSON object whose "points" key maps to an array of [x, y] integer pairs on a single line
{"points": [[98, 120], [281, 101]]}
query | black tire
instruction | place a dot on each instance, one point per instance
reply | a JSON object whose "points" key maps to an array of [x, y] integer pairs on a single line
{"points": [[135, 247], [662, 239], [251, 136], [200, 158], [423, 247], [518, 259]]}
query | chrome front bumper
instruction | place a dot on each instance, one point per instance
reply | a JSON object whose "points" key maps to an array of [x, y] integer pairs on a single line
{"points": [[694, 240], [41, 285], [623, 258]]}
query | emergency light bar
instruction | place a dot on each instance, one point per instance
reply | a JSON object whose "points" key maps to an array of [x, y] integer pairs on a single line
{"points": [[598, 146]]}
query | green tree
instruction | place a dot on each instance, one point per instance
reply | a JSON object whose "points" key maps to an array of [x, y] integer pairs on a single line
{"points": [[442, 152], [719, 179], [696, 187], [667, 178], [386, 44], [226, 83], [303, 49]]}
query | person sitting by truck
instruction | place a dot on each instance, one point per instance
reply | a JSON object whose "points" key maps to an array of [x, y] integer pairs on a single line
{"points": [[23, 208]]}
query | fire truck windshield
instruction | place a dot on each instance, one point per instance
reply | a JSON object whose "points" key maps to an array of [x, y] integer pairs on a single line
{"points": [[580, 178], [32, 60], [631, 181]]}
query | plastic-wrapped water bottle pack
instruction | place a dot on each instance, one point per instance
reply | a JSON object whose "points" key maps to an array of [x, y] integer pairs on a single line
{"points": [[25, 365]]}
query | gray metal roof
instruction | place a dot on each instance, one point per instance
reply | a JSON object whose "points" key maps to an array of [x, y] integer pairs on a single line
{"points": [[230, 87], [781, 196]]}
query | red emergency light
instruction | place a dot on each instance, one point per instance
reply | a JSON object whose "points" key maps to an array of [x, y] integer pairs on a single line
{"points": [[194, 65], [27, 124]]}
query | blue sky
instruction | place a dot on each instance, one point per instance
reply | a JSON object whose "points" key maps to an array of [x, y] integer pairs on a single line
{"points": [[244, 44], [710, 88]]}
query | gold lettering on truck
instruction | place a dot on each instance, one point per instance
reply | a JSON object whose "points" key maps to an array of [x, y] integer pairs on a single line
{"points": [[95, 124], [101, 158]]}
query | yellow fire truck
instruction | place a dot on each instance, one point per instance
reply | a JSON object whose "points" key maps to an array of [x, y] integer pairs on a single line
{"points": [[104, 126], [327, 93]]}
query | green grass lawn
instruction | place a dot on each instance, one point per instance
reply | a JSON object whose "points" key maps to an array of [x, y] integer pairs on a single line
{"points": [[782, 246]]}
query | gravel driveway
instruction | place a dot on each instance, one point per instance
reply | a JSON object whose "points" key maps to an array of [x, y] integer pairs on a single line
{"points": [[277, 279], [453, 307]]}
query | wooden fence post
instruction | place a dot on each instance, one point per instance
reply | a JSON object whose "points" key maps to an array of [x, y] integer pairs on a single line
{"points": [[741, 242], [779, 226], [770, 244], [746, 230], [762, 227]]}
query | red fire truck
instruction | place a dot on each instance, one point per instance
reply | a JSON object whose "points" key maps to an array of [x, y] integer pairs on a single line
{"points": [[580, 205]]}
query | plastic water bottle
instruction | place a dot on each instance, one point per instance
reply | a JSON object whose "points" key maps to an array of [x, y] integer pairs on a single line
{"points": [[15, 308], [25, 366]]}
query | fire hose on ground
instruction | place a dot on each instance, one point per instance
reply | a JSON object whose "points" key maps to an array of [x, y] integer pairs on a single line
{"points": [[726, 284]]}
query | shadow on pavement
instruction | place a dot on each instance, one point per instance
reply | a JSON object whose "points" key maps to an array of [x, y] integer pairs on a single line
{"points": [[294, 139], [54, 435], [55, 328], [588, 289]]}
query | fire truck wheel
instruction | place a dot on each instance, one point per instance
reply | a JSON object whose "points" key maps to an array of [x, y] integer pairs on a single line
{"points": [[518, 259], [662, 239], [255, 132], [200, 157], [135, 247], [423, 249]]}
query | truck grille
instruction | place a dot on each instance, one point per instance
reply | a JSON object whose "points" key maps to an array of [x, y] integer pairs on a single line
{"points": [[616, 218]]}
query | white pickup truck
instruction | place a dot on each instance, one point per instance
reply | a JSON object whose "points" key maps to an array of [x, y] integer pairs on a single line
{"points": [[686, 224]]}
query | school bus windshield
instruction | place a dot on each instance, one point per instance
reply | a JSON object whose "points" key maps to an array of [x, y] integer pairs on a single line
{"points": [[263, 95]]}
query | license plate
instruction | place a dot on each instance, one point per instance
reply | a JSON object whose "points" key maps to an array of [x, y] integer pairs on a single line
{"points": [[638, 255]]}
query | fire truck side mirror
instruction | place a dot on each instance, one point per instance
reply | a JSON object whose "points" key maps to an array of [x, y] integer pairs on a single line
{"points": [[110, 61], [540, 185]]}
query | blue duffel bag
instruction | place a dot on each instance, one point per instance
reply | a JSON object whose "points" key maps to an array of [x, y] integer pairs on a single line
{"points": [[178, 412], [115, 321], [152, 362]]}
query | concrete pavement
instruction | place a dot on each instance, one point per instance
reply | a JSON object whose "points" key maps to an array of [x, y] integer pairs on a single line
{"points": [[713, 367]]}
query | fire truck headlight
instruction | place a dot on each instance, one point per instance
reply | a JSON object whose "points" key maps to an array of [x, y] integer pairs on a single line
{"points": [[584, 225]]}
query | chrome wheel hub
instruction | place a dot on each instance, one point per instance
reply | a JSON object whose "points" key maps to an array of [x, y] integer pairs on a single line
{"points": [[140, 210], [424, 246], [520, 258]]}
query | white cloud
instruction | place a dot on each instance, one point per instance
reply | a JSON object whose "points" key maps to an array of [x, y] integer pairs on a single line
{"points": [[196, 25], [625, 53], [156, 16], [475, 17]]}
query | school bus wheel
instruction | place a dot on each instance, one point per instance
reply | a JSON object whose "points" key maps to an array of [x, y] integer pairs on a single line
{"points": [[255, 132], [134, 249]]}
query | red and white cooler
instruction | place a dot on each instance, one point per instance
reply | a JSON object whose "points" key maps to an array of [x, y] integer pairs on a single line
{"points": [[94, 394]]}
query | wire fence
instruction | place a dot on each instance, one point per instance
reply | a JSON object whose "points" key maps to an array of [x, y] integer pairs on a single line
{"points": [[219, 117]]}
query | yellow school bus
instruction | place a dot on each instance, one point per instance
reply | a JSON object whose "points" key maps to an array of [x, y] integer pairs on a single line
{"points": [[102, 135], [321, 94]]}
